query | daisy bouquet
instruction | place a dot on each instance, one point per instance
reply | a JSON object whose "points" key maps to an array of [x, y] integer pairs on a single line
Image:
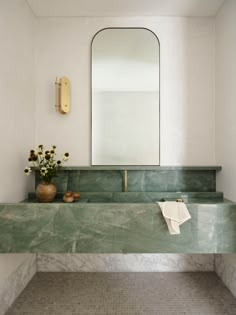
{"points": [[45, 163]]}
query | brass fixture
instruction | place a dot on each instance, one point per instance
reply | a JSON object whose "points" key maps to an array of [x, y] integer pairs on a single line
{"points": [[62, 88], [125, 181]]}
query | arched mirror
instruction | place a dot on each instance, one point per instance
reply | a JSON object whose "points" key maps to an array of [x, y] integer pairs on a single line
{"points": [[125, 97]]}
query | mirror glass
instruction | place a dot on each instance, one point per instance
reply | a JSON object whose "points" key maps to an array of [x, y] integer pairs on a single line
{"points": [[125, 97]]}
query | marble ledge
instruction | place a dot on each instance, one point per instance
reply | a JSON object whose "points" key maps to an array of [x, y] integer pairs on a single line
{"points": [[142, 168], [141, 197], [117, 228]]}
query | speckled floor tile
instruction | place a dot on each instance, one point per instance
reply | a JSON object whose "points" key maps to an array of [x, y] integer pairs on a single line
{"points": [[125, 294]]}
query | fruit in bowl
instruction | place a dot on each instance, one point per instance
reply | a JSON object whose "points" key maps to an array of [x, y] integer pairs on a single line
{"points": [[76, 195], [71, 196]]}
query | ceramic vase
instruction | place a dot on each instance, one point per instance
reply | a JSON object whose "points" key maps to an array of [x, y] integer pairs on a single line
{"points": [[46, 192]]}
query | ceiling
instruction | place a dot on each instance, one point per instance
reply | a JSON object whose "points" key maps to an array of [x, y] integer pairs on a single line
{"points": [[125, 7]]}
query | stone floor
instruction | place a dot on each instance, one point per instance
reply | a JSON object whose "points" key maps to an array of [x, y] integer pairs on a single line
{"points": [[125, 294]]}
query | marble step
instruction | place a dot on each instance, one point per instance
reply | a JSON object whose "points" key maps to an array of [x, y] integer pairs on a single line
{"points": [[142, 197]]}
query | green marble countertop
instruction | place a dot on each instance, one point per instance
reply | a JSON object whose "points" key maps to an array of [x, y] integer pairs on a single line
{"points": [[140, 168], [114, 228], [139, 197]]}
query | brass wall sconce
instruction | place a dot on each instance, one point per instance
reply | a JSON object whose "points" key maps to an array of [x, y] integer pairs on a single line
{"points": [[62, 87]]}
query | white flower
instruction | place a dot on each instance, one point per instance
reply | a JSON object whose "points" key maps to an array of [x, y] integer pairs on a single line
{"points": [[43, 170], [65, 156], [27, 170]]}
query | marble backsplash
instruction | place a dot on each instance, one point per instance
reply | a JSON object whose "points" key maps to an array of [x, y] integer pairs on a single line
{"points": [[149, 179]]}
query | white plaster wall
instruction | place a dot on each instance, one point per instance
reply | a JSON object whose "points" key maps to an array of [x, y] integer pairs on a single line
{"points": [[226, 98], [17, 97], [187, 85], [16, 128]]}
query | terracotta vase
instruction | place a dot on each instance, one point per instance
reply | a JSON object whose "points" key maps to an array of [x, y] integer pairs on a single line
{"points": [[46, 192]]}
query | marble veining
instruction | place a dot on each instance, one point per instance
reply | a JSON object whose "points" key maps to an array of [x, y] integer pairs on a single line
{"points": [[124, 263], [100, 181], [171, 181], [225, 267], [16, 282], [120, 228]]}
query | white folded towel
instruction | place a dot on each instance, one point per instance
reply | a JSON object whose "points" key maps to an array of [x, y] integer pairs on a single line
{"points": [[175, 213]]}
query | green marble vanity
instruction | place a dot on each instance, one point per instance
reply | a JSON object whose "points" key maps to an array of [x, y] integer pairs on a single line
{"points": [[114, 228], [108, 220]]}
